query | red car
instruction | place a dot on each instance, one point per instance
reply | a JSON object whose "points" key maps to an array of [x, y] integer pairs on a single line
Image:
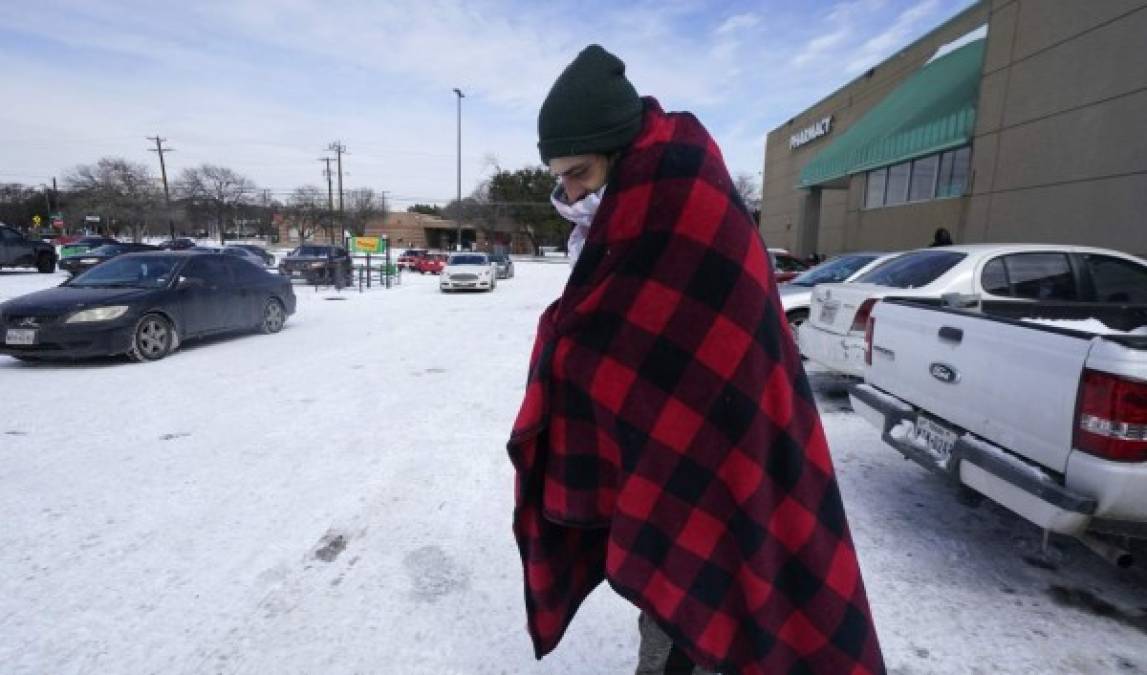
{"points": [[786, 266], [410, 257], [430, 263]]}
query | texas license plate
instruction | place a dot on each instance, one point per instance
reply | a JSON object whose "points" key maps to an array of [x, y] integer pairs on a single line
{"points": [[20, 336], [936, 438]]}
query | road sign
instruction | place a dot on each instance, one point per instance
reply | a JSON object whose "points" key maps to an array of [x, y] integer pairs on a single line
{"points": [[36, 220], [367, 245]]}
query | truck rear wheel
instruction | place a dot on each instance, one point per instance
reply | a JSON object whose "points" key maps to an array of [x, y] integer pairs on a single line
{"points": [[45, 264]]}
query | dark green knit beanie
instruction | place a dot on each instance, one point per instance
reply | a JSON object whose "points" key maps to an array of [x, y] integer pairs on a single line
{"points": [[590, 109]]}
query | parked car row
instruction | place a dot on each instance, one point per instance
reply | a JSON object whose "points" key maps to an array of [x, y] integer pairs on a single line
{"points": [[796, 295], [1017, 373], [82, 262], [424, 261], [833, 335]]}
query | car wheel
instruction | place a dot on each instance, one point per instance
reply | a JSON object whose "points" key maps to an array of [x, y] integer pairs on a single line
{"points": [[152, 340], [274, 316], [795, 319], [45, 264]]}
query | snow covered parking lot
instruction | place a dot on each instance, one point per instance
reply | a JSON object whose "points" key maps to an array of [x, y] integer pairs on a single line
{"points": [[337, 498]]}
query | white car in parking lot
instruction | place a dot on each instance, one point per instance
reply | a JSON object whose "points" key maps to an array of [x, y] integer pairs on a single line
{"points": [[796, 295], [472, 271], [833, 336]]}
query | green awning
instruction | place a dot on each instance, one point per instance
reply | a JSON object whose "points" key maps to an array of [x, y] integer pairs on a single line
{"points": [[933, 110]]}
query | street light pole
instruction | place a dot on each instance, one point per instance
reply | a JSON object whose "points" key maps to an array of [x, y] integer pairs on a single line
{"points": [[458, 202]]}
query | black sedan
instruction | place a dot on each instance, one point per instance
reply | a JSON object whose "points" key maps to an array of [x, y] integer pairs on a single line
{"points": [[181, 244], [82, 262], [268, 259], [145, 305]]}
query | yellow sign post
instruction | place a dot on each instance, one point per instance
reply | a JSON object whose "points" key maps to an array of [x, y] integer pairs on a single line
{"points": [[367, 245]]}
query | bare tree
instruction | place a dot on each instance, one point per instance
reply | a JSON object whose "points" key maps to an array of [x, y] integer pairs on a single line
{"points": [[123, 193], [750, 191], [217, 188], [362, 206], [19, 203], [307, 209]]}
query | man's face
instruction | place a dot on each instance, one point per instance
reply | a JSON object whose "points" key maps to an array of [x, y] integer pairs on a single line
{"points": [[580, 174]]}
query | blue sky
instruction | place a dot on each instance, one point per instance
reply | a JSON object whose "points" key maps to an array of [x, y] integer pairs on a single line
{"points": [[263, 88]]}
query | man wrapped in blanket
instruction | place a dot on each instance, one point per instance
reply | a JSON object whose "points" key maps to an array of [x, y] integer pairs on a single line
{"points": [[668, 441]]}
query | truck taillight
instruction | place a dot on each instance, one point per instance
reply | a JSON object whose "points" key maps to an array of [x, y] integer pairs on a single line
{"points": [[860, 321], [1111, 417], [869, 328]]}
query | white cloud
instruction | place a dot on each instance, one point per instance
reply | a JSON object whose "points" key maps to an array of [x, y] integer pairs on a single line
{"points": [[738, 22], [896, 36]]}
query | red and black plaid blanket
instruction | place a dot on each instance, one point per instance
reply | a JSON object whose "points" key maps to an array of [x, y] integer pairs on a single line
{"points": [[669, 441]]}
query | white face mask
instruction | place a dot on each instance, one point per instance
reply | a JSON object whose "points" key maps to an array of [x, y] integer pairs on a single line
{"points": [[581, 214]]}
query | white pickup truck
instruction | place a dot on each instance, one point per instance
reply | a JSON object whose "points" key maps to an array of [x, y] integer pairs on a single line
{"points": [[1040, 406]]}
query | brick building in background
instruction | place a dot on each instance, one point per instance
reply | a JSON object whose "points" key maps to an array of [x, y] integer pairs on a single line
{"points": [[1014, 121]]}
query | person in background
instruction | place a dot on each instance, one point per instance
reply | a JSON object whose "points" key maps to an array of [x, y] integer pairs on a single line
{"points": [[941, 238], [668, 440]]}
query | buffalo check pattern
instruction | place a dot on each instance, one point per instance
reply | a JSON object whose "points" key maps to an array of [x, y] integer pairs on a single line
{"points": [[669, 441]]}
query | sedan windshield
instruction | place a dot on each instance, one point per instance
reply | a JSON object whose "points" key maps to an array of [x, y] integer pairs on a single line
{"points": [[912, 270], [833, 271], [469, 260], [311, 251], [129, 272]]}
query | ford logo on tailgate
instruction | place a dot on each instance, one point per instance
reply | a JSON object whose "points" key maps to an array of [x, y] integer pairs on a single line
{"points": [[944, 373]]}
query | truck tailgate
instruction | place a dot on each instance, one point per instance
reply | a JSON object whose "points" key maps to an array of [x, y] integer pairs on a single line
{"points": [[1011, 385]]}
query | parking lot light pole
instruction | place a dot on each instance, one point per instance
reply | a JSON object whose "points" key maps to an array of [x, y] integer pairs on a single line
{"points": [[458, 201]]}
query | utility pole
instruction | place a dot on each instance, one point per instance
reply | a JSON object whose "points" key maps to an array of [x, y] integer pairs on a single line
{"points": [[339, 149], [56, 198], [458, 202], [330, 196], [163, 172], [267, 211]]}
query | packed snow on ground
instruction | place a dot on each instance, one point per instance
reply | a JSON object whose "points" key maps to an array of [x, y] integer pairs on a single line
{"points": [[337, 499]]}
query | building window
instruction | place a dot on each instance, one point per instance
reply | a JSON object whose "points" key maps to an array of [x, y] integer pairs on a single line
{"points": [[944, 174], [923, 179], [874, 196], [954, 168], [897, 191]]}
